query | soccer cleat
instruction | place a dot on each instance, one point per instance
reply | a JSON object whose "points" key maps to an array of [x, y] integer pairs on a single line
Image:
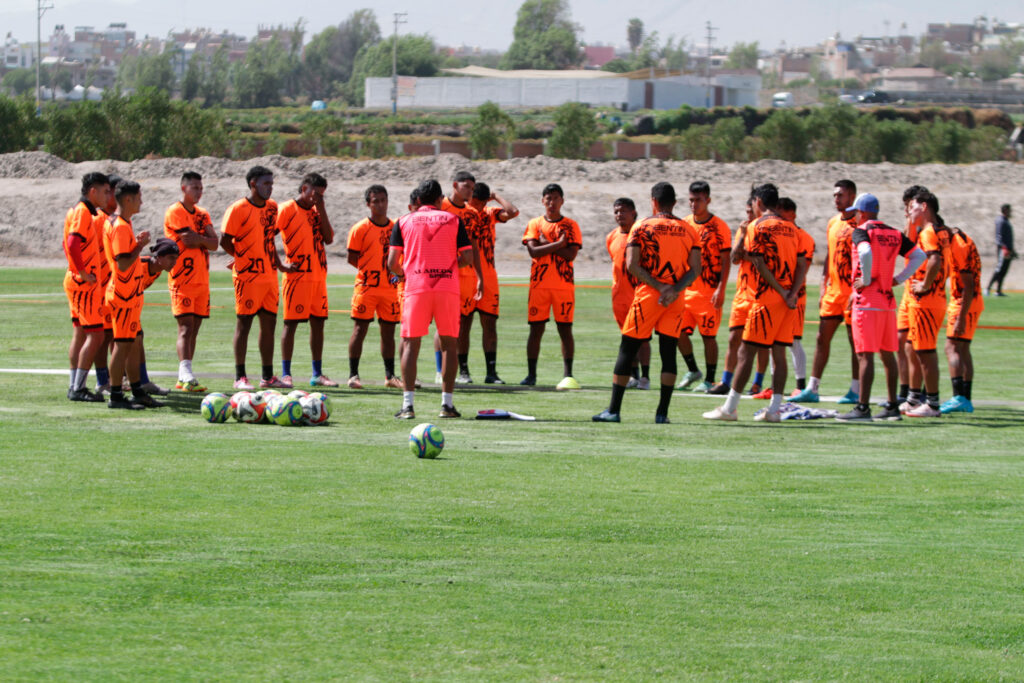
{"points": [[83, 395], [449, 411], [152, 388], [242, 384], [102, 389], [766, 415], [808, 395], [286, 380], [855, 415], [661, 419], [888, 414], [720, 413], [923, 410], [764, 395], [463, 378], [908, 405], [703, 388], [754, 389], [124, 403], [644, 384], [354, 383], [689, 379], [406, 413], [438, 378], [493, 379], [417, 384], [957, 404], [795, 393], [849, 398], [720, 389], [147, 401], [567, 384], [633, 383], [322, 381], [192, 386], [274, 383], [605, 416], [529, 381], [394, 382]]}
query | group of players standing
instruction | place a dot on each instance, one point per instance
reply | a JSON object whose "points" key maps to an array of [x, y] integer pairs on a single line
{"points": [[669, 276]]}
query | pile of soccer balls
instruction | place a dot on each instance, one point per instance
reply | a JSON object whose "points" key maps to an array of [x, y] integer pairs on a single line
{"points": [[291, 410]]}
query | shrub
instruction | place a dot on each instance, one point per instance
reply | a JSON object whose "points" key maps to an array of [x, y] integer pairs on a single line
{"points": [[575, 131]]}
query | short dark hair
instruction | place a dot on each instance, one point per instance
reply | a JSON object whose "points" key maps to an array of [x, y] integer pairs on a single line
{"points": [[786, 204], [164, 246], [482, 191], [375, 189], [663, 194], [928, 199], [463, 176], [912, 191], [91, 180], [430, 191], [700, 187], [414, 197], [1004, 208], [257, 172], [189, 176], [313, 180], [847, 184], [113, 179], [626, 202], [126, 187], [768, 194], [552, 188]]}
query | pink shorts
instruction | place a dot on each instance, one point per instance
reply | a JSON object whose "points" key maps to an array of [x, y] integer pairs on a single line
{"points": [[874, 331], [419, 308]]}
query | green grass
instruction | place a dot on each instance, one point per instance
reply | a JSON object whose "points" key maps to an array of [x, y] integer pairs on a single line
{"points": [[155, 545]]}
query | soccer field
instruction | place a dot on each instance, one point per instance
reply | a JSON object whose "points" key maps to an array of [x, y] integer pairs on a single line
{"points": [[155, 545]]}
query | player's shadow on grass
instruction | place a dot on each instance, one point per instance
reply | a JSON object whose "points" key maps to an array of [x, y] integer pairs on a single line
{"points": [[180, 402], [988, 418]]}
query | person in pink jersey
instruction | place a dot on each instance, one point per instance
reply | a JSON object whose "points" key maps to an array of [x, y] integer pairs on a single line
{"points": [[873, 305], [427, 248]]}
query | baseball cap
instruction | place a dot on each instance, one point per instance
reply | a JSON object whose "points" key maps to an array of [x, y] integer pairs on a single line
{"points": [[866, 202]]}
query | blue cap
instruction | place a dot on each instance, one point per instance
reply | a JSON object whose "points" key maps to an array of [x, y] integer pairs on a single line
{"points": [[866, 202]]}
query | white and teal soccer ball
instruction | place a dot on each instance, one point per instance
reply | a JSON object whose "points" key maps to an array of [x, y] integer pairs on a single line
{"points": [[215, 407], [315, 411], [426, 441], [286, 412], [248, 407]]}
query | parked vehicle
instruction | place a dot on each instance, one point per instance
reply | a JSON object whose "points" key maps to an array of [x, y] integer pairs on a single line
{"points": [[782, 100]]}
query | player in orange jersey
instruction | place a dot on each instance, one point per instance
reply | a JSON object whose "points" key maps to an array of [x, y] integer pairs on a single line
{"points": [[663, 254], [375, 292], [623, 284], [552, 240], [191, 228], [305, 228], [965, 307], [488, 305], [470, 277], [905, 356], [100, 362], [787, 210], [83, 249], [836, 287], [248, 236], [705, 296]]}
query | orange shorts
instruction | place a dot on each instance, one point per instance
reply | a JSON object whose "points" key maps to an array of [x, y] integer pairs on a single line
{"points": [[954, 312], [467, 291], [700, 315], [740, 310], [903, 315], [384, 302], [620, 307], [770, 322], [924, 327], [108, 317], [259, 295], [646, 315], [190, 301], [542, 301], [874, 331], [85, 302], [833, 305], [489, 301], [799, 317], [304, 298], [419, 308], [127, 317]]}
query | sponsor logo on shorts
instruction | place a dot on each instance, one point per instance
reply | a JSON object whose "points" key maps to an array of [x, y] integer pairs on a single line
{"points": [[300, 308], [361, 308], [248, 303], [533, 310]]}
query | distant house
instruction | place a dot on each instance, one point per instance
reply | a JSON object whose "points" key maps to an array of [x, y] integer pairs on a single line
{"points": [[914, 79]]}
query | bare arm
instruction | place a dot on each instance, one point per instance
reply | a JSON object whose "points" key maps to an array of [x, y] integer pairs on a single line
{"points": [[799, 277], [227, 243], [125, 261], [758, 262], [508, 209], [934, 265], [394, 264], [718, 298], [326, 229], [466, 257], [693, 267], [738, 250], [536, 248], [353, 259]]}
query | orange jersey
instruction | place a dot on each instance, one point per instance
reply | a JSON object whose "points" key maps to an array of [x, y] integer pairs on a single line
{"points": [[119, 240], [253, 229], [471, 220], [665, 242], [931, 241], [80, 221], [805, 248], [303, 243], [552, 271], [840, 255], [99, 222], [487, 220], [371, 241], [776, 241], [965, 262], [715, 238], [745, 277], [623, 283], [192, 269]]}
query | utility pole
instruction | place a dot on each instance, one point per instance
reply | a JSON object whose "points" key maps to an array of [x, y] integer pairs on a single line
{"points": [[707, 67], [40, 11], [399, 19]]}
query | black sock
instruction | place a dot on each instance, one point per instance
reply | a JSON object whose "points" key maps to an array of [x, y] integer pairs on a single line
{"points": [[137, 390], [491, 359], [904, 392], [967, 388], [933, 400], [691, 363], [712, 368], [645, 371], [464, 363], [801, 383], [635, 372], [863, 407], [617, 393], [567, 366], [240, 371], [666, 398], [915, 397], [268, 371], [116, 393], [353, 366], [531, 367], [958, 385], [389, 367]]}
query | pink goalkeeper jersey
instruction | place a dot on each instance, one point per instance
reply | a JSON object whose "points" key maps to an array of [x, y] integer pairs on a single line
{"points": [[887, 244], [430, 240]]}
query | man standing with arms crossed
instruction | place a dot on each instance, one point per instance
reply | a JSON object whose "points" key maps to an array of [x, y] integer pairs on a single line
{"points": [[427, 248], [623, 286]]}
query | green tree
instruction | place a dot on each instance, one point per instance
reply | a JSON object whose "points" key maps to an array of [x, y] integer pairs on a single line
{"points": [[575, 131], [832, 131], [693, 142], [674, 53], [259, 80], [192, 81], [934, 54], [16, 121], [323, 133], [417, 56], [491, 128], [216, 76], [146, 71], [544, 37], [727, 138], [634, 34], [20, 81], [784, 136], [331, 54], [743, 56]]}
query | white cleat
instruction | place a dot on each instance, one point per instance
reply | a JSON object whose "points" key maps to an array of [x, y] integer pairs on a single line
{"points": [[720, 413]]}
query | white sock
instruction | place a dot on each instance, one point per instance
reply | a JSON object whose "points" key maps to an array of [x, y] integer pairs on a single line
{"points": [[407, 399], [72, 376], [80, 377], [776, 403], [814, 383], [183, 371], [855, 386], [799, 359], [447, 399], [732, 401]]}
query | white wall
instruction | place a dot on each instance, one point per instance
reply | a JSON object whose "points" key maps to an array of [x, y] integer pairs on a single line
{"points": [[448, 92]]}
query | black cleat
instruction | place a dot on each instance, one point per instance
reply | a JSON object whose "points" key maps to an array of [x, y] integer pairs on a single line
{"points": [[449, 411], [529, 381], [147, 401], [83, 395], [123, 403], [493, 379]]}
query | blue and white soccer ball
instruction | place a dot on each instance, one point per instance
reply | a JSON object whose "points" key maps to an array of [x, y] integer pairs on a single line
{"points": [[426, 441]]}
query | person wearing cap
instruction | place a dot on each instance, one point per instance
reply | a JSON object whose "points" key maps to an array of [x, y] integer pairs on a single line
{"points": [[873, 305]]}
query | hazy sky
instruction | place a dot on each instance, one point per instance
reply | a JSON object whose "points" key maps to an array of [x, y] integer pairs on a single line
{"points": [[489, 24]]}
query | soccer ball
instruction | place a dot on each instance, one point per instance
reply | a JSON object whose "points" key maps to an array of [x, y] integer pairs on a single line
{"points": [[248, 407], [426, 441], [286, 412], [314, 410], [215, 408], [324, 398], [267, 394], [297, 394], [236, 397]]}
